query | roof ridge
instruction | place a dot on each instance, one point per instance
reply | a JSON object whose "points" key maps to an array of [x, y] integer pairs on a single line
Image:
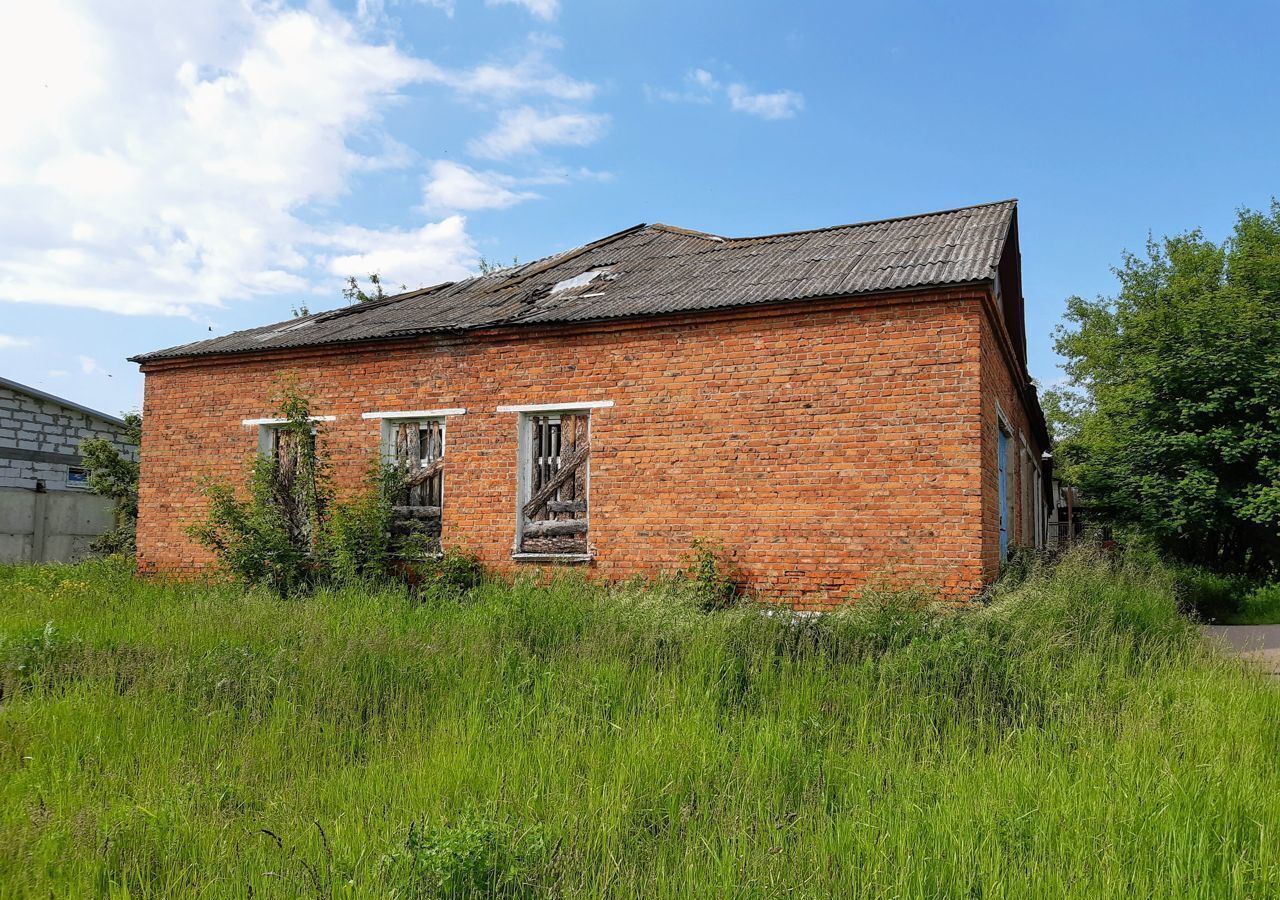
{"points": [[923, 215], [688, 232], [537, 267]]}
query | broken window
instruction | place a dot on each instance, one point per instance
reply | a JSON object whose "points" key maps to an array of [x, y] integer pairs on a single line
{"points": [[289, 451], [555, 450], [416, 449]]}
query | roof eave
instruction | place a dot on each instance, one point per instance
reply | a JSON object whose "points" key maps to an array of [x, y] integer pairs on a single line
{"points": [[61, 401], [986, 282]]}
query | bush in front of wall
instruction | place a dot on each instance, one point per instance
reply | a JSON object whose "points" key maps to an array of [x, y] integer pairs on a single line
{"points": [[357, 542], [289, 534], [448, 574], [274, 536], [715, 581]]}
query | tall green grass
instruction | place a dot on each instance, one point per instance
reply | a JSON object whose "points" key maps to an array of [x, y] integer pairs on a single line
{"points": [[1073, 739]]}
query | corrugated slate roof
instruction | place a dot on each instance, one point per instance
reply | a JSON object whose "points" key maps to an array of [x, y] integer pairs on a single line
{"points": [[654, 270]]}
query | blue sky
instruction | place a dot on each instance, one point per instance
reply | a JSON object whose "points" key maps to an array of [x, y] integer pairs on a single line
{"points": [[185, 170]]}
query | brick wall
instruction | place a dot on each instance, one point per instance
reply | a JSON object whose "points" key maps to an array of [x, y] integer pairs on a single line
{"points": [[1001, 396], [826, 445], [34, 425]]}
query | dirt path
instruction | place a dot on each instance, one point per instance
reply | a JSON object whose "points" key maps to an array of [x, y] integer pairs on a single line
{"points": [[1258, 643]]}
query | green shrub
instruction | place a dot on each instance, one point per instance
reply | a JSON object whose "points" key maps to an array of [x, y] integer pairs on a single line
{"points": [[446, 574], [274, 537], [474, 857], [1261, 606], [714, 579], [356, 535], [289, 534], [1209, 596]]}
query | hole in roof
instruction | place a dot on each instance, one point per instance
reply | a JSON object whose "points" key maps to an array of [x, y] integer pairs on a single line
{"points": [[583, 279], [266, 335]]}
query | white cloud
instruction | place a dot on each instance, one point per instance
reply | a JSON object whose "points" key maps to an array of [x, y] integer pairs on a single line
{"points": [[208, 168], [452, 186], [9, 341], [774, 105], [371, 12], [530, 75], [700, 86], [524, 130], [440, 251], [543, 9], [90, 366]]}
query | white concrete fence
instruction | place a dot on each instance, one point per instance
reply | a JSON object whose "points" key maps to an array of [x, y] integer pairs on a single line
{"points": [[50, 526]]}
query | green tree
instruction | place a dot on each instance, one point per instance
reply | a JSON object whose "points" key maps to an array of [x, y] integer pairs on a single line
{"points": [[114, 475], [488, 267], [274, 536], [1170, 421], [353, 293]]}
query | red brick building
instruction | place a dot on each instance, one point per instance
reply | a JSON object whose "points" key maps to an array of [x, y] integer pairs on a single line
{"points": [[836, 406]]}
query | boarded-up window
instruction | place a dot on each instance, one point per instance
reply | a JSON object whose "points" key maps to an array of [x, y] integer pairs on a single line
{"points": [[555, 454], [285, 447], [417, 450]]}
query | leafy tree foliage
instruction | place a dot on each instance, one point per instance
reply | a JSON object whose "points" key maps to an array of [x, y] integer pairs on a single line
{"points": [[114, 475], [354, 293], [290, 533], [1171, 421], [272, 537]]}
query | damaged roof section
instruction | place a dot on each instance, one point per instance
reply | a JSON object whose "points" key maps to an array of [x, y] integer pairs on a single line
{"points": [[656, 270]]}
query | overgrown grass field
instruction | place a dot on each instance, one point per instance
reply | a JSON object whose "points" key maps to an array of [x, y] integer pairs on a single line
{"points": [[1073, 739]]}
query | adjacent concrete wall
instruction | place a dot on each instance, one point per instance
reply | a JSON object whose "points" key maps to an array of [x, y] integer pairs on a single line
{"points": [[46, 514], [40, 438], [50, 526]]}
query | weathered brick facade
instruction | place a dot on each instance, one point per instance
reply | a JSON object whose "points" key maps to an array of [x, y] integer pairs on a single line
{"points": [[826, 444]]}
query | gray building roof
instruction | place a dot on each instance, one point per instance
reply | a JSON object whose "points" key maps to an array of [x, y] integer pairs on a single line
{"points": [[655, 270], [61, 401]]}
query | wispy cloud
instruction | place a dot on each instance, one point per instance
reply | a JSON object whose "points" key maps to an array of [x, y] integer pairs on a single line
{"points": [[453, 186], [171, 182], [543, 9], [9, 341], [524, 130], [701, 86], [90, 366], [438, 251], [372, 11], [528, 72], [164, 182], [768, 105]]}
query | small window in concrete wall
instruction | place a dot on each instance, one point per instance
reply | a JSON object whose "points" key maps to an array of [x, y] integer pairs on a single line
{"points": [[77, 478], [553, 480]]}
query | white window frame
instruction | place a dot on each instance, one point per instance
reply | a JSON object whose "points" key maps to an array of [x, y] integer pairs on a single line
{"points": [[524, 464], [389, 421], [268, 427]]}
